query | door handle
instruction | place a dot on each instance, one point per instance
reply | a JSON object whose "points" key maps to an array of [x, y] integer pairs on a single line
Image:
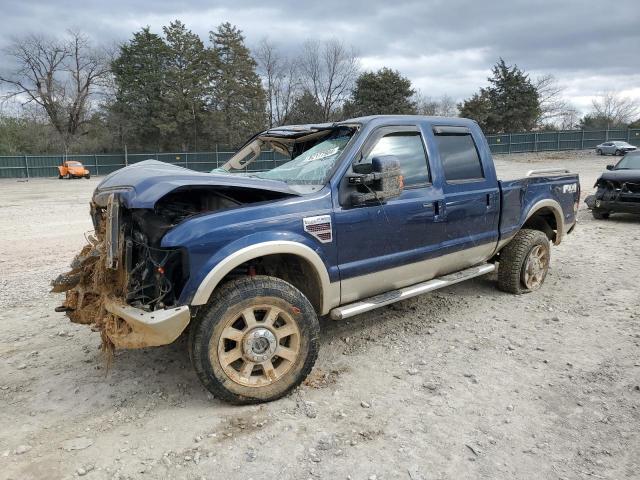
{"points": [[440, 211], [491, 201]]}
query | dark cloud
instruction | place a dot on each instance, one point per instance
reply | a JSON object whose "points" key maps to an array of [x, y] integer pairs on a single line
{"points": [[443, 46]]}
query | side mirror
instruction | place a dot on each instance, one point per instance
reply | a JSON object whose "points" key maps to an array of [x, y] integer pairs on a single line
{"points": [[378, 181], [610, 167]]}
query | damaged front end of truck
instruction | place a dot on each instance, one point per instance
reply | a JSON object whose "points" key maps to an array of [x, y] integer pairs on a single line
{"points": [[123, 282]]}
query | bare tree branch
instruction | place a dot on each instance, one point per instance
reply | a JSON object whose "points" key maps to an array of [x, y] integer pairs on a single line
{"points": [[615, 109], [329, 71], [552, 104], [280, 77], [60, 76]]}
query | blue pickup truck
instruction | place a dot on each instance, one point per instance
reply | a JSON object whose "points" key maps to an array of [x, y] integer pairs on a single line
{"points": [[367, 212]]}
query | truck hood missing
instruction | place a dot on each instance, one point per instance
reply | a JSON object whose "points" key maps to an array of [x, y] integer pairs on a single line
{"points": [[141, 185]]}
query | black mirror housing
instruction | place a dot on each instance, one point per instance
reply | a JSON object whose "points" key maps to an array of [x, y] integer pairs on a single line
{"points": [[384, 182], [610, 167]]}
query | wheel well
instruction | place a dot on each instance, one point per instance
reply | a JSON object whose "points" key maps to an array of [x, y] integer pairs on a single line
{"points": [[291, 268], [545, 221]]}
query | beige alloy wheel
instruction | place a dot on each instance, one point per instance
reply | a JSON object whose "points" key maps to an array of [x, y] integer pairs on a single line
{"points": [[255, 341], [524, 262], [258, 345], [536, 267]]}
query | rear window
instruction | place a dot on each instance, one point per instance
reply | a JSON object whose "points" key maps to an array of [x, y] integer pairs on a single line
{"points": [[459, 157]]}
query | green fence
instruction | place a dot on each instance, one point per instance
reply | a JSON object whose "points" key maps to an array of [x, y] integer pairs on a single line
{"points": [[556, 141], [28, 166]]}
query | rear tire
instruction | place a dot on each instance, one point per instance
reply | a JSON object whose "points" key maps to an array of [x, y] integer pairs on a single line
{"points": [[255, 341], [524, 262], [600, 214], [60, 177], [87, 176]]}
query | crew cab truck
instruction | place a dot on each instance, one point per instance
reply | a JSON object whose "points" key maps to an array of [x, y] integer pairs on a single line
{"points": [[367, 212]]}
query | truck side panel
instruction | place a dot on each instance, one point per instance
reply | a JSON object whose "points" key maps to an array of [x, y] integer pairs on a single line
{"points": [[521, 197]]}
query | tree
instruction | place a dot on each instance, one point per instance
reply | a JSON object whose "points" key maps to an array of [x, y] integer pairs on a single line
{"points": [[139, 82], [553, 107], [509, 103], [381, 92], [280, 79], [238, 96], [445, 106], [612, 110], [478, 107], [329, 70], [568, 118], [305, 109], [187, 78], [60, 76]]}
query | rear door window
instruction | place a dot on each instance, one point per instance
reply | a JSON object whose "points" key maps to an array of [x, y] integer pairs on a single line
{"points": [[458, 154]]}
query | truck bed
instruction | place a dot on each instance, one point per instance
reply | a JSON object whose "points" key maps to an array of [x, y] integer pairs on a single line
{"points": [[519, 196]]}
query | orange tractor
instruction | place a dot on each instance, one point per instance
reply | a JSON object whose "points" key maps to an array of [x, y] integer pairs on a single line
{"points": [[73, 169]]}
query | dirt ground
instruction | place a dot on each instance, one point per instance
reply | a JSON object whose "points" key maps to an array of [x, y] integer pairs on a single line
{"points": [[466, 382]]}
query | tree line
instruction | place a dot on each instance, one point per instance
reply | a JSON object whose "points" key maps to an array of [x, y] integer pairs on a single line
{"points": [[175, 91]]}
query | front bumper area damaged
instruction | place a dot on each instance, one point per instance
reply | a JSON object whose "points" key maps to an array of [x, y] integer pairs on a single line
{"points": [[148, 329], [612, 196], [104, 281]]}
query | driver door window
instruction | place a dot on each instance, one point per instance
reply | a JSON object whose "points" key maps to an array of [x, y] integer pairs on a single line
{"points": [[407, 146]]}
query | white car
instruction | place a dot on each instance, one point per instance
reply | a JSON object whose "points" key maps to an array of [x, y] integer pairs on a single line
{"points": [[614, 148]]}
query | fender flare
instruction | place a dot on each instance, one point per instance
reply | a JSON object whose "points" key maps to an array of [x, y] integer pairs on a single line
{"points": [[557, 213], [330, 292]]}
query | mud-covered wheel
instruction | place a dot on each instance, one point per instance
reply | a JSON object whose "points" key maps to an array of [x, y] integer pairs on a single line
{"points": [[599, 214], [256, 340], [524, 262]]}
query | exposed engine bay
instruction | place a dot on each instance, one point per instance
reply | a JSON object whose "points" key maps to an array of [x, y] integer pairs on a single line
{"points": [[123, 261]]}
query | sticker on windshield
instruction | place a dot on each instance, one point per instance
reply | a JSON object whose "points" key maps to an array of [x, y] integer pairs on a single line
{"points": [[323, 154]]}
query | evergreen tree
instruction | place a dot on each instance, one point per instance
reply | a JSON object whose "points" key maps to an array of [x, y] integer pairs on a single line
{"points": [[477, 107], [139, 72], [305, 109], [239, 101], [187, 77], [510, 103], [381, 92]]}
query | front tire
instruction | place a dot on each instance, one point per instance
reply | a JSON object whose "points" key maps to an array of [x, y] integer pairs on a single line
{"points": [[599, 152], [618, 153], [256, 340], [524, 262]]}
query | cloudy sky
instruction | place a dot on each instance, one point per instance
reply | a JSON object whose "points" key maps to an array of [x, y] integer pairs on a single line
{"points": [[444, 47]]}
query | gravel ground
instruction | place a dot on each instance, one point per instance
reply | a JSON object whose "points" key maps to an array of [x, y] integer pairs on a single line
{"points": [[467, 382]]}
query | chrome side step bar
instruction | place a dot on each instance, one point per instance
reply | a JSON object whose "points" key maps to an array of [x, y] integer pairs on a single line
{"points": [[377, 301]]}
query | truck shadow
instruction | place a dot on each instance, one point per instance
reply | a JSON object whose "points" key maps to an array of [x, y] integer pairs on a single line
{"points": [[167, 370], [414, 315]]}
